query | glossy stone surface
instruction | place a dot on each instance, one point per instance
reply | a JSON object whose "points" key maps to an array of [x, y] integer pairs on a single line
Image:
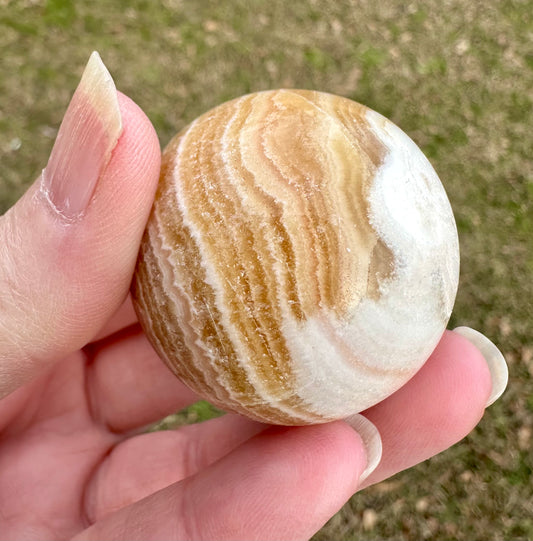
{"points": [[301, 260]]}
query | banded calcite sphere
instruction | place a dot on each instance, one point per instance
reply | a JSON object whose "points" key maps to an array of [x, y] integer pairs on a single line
{"points": [[301, 260]]}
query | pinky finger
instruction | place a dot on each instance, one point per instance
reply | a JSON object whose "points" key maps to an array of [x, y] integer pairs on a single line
{"points": [[434, 410]]}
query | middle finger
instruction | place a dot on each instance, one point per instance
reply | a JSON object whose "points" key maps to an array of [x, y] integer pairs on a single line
{"points": [[128, 385]]}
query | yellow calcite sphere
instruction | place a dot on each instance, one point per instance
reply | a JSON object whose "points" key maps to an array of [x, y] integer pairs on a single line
{"points": [[301, 259]]}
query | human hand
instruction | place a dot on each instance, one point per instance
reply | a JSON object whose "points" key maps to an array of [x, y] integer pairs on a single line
{"points": [[79, 381]]}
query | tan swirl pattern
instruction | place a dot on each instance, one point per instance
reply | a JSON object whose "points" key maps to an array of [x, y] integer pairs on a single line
{"points": [[260, 249]]}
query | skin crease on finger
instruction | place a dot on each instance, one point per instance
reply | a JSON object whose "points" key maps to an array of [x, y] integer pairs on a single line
{"points": [[122, 318]]}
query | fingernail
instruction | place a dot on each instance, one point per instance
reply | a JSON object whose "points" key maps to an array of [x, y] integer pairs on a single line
{"points": [[499, 372], [371, 440], [88, 134]]}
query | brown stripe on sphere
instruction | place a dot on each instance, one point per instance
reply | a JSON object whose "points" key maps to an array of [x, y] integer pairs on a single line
{"points": [[216, 371], [209, 199]]}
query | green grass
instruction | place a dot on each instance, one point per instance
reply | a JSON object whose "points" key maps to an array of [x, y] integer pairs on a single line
{"points": [[456, 75], [196, 413]]}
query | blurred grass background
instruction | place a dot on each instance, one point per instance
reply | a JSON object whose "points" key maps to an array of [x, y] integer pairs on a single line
{"points": [[456, 75]]}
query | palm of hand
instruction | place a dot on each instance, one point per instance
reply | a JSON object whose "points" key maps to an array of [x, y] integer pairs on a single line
{"points": [[72, 450], [52, 446]]}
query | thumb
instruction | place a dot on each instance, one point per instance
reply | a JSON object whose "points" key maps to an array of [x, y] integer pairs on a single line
{"points": [[68, 247]]}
